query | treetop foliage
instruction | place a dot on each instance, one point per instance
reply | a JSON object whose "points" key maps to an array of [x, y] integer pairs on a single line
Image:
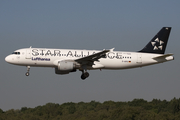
{"points": [[137, 109]]}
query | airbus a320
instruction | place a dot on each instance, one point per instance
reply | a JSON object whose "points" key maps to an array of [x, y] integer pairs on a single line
{"points": [[65, 61]]}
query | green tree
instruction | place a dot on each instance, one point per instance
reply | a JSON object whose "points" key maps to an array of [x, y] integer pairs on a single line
{"points": [[1, 111], [72, 108], [175, 105]]}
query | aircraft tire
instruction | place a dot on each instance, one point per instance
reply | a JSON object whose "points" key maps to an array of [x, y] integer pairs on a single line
{"points": [[27, 74], [83, 77], [86, 74]]}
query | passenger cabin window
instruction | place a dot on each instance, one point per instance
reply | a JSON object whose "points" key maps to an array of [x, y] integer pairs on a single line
{"points": [[16, 53]]}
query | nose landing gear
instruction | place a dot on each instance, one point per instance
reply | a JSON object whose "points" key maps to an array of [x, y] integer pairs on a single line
{"points": [[28, 69]]}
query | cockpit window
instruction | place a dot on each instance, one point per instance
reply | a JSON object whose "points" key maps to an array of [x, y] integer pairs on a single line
{"points": [[16, 53]]}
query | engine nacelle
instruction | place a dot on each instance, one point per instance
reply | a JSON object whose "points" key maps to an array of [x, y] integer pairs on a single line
{"points": [[64, 67]]}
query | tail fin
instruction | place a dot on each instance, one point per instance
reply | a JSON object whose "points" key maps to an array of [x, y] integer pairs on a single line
{"points": [[159, 42]]}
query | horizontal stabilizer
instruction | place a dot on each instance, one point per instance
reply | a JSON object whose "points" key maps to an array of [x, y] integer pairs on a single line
{"points": [[163, 56]]}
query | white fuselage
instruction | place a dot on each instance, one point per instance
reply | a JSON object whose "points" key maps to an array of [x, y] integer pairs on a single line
{"points": [[69, 60], [42, 57]]}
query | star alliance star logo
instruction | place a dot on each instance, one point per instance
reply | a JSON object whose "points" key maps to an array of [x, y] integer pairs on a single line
{"points": [[157, 44]]}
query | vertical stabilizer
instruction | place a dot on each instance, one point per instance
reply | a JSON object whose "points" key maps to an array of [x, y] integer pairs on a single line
{"points": [[159, 42]]}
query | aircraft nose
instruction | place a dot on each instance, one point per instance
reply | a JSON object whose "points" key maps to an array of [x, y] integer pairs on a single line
{"points": [[7, 59]]}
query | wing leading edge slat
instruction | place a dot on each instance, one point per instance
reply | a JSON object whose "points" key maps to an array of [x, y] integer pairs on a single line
{"points": [[93, 57]]}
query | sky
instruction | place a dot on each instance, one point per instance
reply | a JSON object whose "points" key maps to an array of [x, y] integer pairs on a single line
{"points": [[93, 25]]}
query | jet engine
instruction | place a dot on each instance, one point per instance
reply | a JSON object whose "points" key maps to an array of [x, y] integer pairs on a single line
{"points": [[65, 67]]}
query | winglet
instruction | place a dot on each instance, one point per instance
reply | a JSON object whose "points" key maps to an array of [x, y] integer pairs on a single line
{"points": [[111, 50]]}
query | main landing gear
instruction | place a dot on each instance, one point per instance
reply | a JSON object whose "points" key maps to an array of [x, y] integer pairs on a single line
{"points": [[85, 74], [28, 69]]}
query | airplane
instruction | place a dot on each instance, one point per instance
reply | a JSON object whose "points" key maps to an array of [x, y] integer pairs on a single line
{"points": [[65, 61]]}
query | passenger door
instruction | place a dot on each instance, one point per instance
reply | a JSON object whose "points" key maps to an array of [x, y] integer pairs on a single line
{"points": [[28, 53]]}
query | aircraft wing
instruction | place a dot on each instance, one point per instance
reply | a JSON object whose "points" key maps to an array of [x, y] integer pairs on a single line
{"points": [[94, 57]]}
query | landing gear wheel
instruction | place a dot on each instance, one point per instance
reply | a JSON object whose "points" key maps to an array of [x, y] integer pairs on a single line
{"points": [[27, 74], [28, 69], [84, 75]]}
